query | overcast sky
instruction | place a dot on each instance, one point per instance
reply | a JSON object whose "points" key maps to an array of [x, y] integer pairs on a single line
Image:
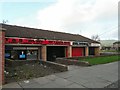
{"points": [[84, 17]]}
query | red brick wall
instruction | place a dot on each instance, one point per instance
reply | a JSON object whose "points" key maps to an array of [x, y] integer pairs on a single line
{"points": [[2, 52]]}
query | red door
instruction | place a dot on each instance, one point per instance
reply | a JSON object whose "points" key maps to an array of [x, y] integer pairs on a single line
{"points": [[77, 51]]}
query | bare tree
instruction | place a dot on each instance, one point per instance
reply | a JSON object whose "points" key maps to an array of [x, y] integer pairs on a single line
{"points": [[95, 37], [4, 21]]}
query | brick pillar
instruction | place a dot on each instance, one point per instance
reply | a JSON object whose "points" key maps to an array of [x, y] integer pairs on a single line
{"points": [[69, 51], [44, 52], [86, 51], [2, 52], [97, 51], [39, 53]]}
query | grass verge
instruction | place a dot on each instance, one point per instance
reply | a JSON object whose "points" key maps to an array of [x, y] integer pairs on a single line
{"points": [[101, 60]]}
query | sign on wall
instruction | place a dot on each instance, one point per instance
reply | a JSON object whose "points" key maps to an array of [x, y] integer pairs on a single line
{"points": [[95, 44], [80, 43], [34, 41]]}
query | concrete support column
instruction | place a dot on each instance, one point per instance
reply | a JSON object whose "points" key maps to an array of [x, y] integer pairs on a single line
{"points": [[86, 51], [69, 51], [44, 52], [97, 51], [2, 55]]}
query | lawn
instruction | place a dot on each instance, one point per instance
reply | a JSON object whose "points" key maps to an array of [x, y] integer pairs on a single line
{"points": [[101, 60]]}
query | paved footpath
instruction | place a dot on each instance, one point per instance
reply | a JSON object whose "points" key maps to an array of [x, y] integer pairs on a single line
{"points": [[97, 76]]}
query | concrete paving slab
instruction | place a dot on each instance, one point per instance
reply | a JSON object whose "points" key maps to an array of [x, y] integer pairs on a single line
{"points": [[73, 67], [78, 80], [84, 74], [12, 89], [106, 67], [114, 85], [33, 85], [42, 80], [51, 85], [63, 75], [26, 82], [96, 83], [51, 77], [62, 82], [111, 78], [98, 72], [74, 86], [66, 74], [12, 85]]}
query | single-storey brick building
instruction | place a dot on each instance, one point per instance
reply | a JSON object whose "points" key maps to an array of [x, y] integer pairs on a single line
{"points": [[32, 44], [24, 43]]}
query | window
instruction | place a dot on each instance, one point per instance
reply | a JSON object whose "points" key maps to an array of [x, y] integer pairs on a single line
{"points": [[32, 54], [14, 54], [7, 54]]}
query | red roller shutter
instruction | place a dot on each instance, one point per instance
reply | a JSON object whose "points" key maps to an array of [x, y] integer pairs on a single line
{"points": [[76, 51]]}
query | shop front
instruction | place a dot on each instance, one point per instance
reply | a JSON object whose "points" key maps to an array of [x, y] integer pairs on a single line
{"points": [[21, 53], [79, 48], [78, 51], [55, 52], [94, 49], [91, 51], [34, 49]]}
